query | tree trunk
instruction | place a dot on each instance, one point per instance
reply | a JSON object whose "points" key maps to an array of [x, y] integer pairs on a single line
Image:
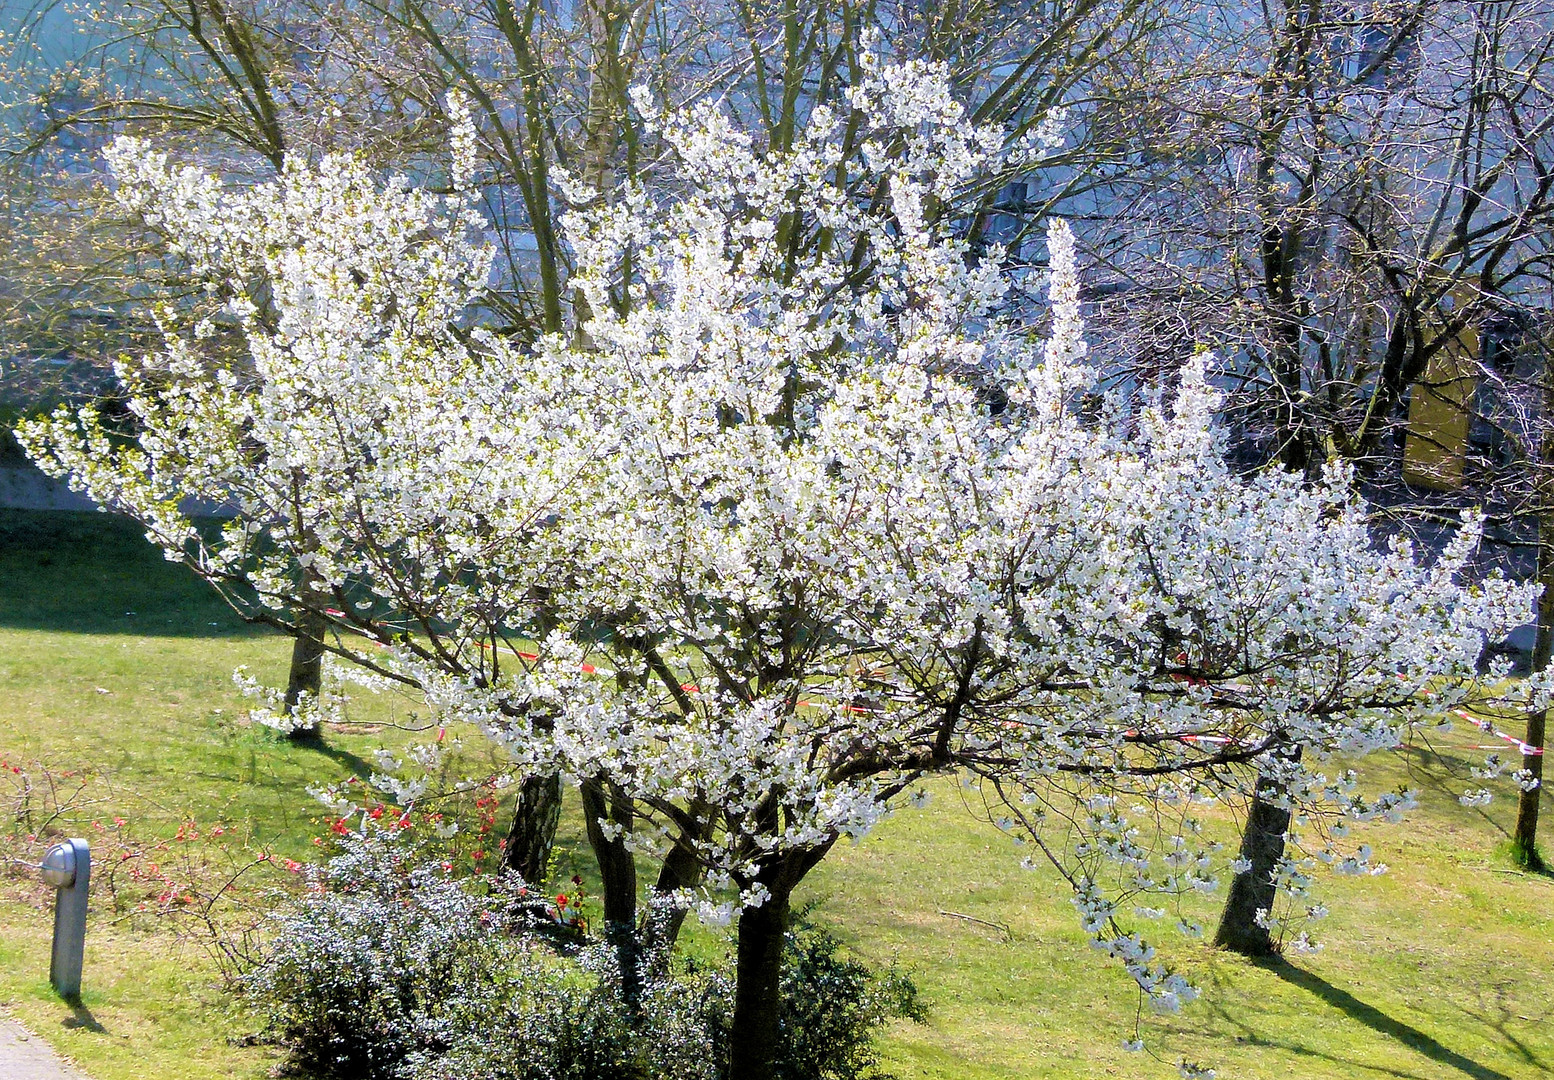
{"points": [[306, 677], [1524, 838], [754, 1035], [681, 869], [533, 831], [1262, 845], [618, 874], [1401, 367]]}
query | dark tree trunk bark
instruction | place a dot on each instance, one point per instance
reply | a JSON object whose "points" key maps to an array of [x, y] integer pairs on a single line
{"points": [[533, 831], [681, 869], [1293, 438], [1524, 838], [306, 677], [754, 1035], [618, 874], [1262, 845], [1401, 367]]}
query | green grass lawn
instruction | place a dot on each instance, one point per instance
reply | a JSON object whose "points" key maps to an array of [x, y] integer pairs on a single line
{"points": [[1443, 968]]}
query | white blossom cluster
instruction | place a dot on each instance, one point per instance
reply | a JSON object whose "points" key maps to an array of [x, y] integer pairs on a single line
{"points": [[831, 525], [309, 712]]}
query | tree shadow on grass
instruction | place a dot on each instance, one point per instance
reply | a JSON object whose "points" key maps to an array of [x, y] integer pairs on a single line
{"points": [[1379, 1021], [1500, 1022], [1235, 1017], [81, 1017], [85, 572], [358, 765], [1429, 767]]}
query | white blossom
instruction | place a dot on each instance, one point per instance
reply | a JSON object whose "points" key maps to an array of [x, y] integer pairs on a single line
{"points": [[845, 526]]}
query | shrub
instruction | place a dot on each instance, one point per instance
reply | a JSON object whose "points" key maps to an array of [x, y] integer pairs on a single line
{"points": [[379, 962], [389, 970], [564, 1027], [831, 1007]]}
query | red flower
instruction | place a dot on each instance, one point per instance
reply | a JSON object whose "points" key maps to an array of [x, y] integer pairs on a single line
{"points": [[561, 899]]}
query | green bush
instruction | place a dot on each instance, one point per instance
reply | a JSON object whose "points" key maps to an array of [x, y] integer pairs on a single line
{"points": [[392, 970], [379, 963], [831, 1007], [562, 1027]]}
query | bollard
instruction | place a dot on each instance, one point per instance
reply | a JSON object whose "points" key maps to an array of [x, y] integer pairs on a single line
{"points": [[68, 867]]}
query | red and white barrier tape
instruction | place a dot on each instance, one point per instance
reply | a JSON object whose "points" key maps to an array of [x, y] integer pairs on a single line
{"points": [[689, 688], [1526, 749]]}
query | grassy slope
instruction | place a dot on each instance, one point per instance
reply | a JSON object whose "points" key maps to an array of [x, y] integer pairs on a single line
{"points": [[1439, 969]]}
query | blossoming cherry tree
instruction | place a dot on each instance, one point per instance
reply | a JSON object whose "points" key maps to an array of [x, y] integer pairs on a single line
{"points": [[795, 522]]}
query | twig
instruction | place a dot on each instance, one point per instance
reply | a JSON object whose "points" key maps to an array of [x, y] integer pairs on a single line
{"points": [[980, 922], [1517, 873]]}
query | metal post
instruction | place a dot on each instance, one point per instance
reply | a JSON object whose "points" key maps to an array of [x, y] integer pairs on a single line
{"points": [[68, 867]]}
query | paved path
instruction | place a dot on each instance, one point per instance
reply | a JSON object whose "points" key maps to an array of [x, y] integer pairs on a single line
{"points": [[23, 487], [24, 1056], [29, 489]]}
